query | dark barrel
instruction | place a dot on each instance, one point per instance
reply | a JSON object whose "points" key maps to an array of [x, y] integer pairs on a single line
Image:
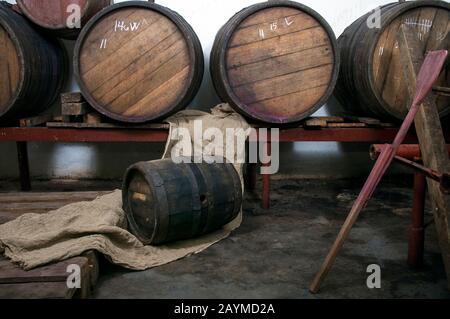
{"points": [[166, 202], [53, 15], [275, 62], [371, 80], [137, 62], [32, 67]]}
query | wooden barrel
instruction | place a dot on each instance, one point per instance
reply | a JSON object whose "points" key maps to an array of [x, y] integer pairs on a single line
{"points": [[275, 62], [55, 15], [32, 67], [166, 202], [138, 61], [371, 80]]}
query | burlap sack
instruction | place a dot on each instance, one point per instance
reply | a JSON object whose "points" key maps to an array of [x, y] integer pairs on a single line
{"points": [[34, 240]]}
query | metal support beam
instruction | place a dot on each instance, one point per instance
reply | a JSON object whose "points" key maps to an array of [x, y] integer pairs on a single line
{"points": [[24, 168]]}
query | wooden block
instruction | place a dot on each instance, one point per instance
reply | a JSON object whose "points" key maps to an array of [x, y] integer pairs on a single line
{"points": [[36, 120], [316, 123], [74, 109], [93, 118], [73, 97]]}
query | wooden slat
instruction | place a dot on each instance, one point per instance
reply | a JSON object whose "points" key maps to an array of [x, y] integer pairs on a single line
{"points": [[47, 282], [106, 126], [72, 109], [36, 120], [12, 274], [432, 143], [72, 97], [48, 197], [46, 290]]}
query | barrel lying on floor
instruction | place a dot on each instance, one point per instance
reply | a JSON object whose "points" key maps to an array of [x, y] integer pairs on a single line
{"points": [[167, 202]]}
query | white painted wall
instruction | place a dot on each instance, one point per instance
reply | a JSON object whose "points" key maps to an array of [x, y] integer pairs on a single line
{"points": [[206, 17]]}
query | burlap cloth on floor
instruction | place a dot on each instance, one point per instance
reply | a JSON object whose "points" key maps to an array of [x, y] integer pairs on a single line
{"points": [[34, 240]]}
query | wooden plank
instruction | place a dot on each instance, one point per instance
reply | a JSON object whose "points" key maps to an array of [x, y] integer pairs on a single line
{"points": [[47, 282], [74, 109], [315, 122], [36, 120], [42, 290], [13, 205], [432, 143], [48, 197], [107, 126], [32, 207], [72, 97], [12, 274]]}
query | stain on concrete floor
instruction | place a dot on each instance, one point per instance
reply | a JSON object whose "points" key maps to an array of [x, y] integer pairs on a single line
{"points": [[276, 253]]}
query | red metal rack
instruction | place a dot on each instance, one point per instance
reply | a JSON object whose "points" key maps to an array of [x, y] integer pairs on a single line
{"points": [[22, 136]]}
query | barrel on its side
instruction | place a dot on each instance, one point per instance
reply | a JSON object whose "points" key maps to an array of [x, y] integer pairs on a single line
{"points": [[275, 62], [166, 202], [137, 62], [32, 67], [56, 16], [371, 80]]}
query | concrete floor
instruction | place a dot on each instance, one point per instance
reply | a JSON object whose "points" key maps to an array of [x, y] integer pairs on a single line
{"points": [[276, 253]]}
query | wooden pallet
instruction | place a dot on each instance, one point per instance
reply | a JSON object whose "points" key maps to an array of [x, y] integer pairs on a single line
{"points": [[48, 281]]}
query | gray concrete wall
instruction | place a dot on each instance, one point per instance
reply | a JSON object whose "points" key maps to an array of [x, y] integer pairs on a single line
{"points": [[206, 17]]}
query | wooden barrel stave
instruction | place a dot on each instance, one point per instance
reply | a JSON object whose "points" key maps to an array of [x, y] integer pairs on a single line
{"points": [[52, 15], [166, 202], [374, 85], [149, 75], [261, 62], [38, 70]]}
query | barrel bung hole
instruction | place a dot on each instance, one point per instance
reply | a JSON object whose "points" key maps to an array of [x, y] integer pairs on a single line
{"points": [[141, 203]]}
